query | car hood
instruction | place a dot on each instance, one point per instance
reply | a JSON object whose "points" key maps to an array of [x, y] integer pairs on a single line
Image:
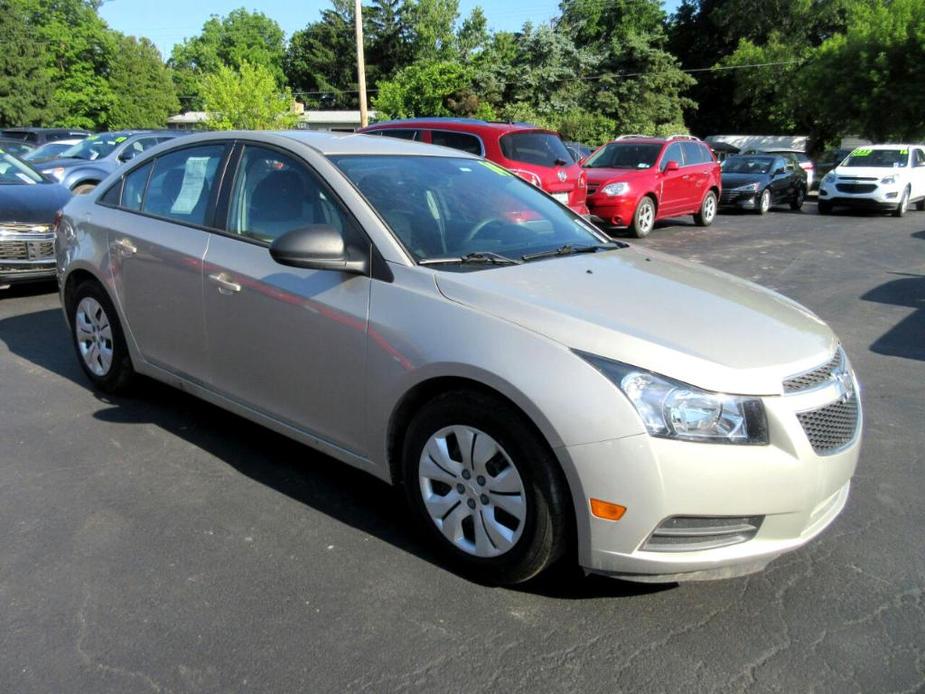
{"points": [[602, 175], [877, 172], [32, 204], [734, 180], [657, 312]]}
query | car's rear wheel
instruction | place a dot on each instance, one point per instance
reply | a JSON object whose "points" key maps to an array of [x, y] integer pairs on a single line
{"points": [[84, 188], [764, 202], [798, 200], [707, 212], [643, 218], [486, 489], [903, 205], [824, 207], [98, 338]]}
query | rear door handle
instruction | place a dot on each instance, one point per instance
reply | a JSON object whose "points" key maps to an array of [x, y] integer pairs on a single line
{"points": [[124, 247], [225, 285]]}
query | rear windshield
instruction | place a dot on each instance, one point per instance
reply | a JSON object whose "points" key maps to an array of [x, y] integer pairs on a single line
{"points": [[13, 172], [624, 155], [537, 148], [747, 165], [878, 157]]}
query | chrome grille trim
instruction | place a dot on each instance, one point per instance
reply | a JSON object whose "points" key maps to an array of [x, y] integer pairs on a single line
{"points": [[815, 378]]}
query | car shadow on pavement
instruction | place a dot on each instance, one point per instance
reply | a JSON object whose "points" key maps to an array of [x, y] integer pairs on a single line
{"points": [[351, 496], [906, 338]]}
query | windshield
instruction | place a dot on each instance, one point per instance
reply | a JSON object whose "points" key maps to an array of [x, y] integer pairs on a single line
{"points": [[94, 147], [747, 165], [14, 172], [624, 155], [46, 152], [447, 207], [537, 147], [887, 158]]}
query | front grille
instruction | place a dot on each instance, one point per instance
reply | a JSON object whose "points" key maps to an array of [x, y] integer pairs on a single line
{"points": [[855, 187], [27, 250], [692, 533], [815, 377], [831, 427]]}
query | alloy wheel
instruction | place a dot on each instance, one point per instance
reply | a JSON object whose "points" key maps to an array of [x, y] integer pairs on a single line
{"points": [[765, 201], [472, 491], [645, 218], [709, 208], [94, 336]]}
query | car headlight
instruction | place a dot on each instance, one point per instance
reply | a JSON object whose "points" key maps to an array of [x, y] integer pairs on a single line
{"points": [[889, 179], [673, 410], [751, 187], [829, 178], [614, 189]]}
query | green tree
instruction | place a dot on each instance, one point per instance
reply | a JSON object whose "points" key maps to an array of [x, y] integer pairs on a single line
{"points": [[473, 35], [25, 88], [320, 62], [388, 41], [144, 92], [442, 88], [247, 98], [430, 24], [240, 37]]}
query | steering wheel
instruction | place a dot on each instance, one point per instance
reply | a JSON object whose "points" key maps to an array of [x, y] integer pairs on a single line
{"points": [[480, 227]]}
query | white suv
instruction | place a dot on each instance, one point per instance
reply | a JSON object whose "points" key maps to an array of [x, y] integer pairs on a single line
{"points": [[877, 177]]}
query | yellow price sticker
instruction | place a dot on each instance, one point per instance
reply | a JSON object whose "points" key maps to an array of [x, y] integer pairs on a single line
{"points": [[864, 152], [121, 138]]}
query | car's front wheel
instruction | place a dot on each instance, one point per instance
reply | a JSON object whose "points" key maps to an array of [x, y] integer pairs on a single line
{"points": [[98, 338], [764, 202], [84, 188], [707, 212], [644, 218], [903, 205], [486, 489], [798, 199]]}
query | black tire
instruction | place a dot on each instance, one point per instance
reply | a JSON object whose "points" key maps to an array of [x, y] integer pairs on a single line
{"points": [[84, 188], [643, 218], [548, 519], [903, 205], [797, 203], [824, 207], [763, 204], [708, 209], [120, 373]]}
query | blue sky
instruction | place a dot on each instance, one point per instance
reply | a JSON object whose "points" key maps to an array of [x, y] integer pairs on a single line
{"points": [[167, 22]]}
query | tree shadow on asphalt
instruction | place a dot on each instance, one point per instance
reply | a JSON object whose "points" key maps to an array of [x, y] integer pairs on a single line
{"points": [[350, 496]]}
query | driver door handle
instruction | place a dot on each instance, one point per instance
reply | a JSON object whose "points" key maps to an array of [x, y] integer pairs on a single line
{"points": [[225, 285], [124, 247]]}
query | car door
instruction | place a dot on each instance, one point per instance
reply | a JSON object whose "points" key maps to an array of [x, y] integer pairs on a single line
{"points": [[781, 180], [675, 184], [918, 173], [287, 342], [697, 171], [157, 244]]}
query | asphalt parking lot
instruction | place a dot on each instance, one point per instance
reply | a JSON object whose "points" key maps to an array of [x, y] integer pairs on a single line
{"points": [[156, 543]]}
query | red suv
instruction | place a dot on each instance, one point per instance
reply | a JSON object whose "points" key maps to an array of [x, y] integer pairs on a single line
{"points": [[535, 154], [635, 180]]}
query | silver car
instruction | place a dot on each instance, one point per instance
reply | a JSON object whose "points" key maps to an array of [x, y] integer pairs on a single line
{"points": [[426, 316]]}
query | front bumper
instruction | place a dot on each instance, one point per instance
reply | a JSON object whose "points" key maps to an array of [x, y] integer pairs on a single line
{"points": [[27, 253], [745, 200], [612, 211], [796, 491], [882, 197]]}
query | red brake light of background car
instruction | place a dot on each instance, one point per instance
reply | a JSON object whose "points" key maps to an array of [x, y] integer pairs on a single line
{"points": [[529, 177]]}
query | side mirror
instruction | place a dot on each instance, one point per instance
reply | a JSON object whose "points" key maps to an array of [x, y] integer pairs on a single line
{"points": [[318, 247], [671, 166], [778, 172], [127, 155]]}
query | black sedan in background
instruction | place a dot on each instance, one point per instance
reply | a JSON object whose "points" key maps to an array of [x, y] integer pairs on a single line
{"points": [[28, 205], [759, 181]]}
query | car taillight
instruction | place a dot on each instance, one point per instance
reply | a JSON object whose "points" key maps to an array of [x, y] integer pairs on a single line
{"points": [[529, 177]]}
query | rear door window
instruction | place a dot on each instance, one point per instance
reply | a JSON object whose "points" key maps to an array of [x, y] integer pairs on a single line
{"points": [[463, 141], [537, 148], [692, 153], [182, 182]]}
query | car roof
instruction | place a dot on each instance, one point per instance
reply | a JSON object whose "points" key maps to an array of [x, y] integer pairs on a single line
{"points": [[334, 143], [461, 124], [885, 146]]}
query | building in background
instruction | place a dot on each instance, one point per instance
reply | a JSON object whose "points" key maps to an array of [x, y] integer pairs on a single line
{"points": [[334, 121]]}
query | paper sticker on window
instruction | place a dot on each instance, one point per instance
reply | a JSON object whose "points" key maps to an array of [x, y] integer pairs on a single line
{"points": [[864, 152], [194, 176], [497, 169], [904, 151], [23, 177]]}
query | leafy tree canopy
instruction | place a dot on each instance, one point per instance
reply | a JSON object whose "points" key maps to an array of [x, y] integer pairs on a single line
{"points": [[246, 98]]}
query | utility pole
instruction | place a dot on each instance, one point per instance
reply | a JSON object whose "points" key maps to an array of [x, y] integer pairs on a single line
{"points": [[361, 64]]}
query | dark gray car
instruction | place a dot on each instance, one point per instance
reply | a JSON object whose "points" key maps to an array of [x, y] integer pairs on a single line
{"points": [[83, 166], [759, 181]]}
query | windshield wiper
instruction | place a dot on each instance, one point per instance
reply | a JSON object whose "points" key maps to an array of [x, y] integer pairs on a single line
{"points": [[569, 249], [483, 257]]}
